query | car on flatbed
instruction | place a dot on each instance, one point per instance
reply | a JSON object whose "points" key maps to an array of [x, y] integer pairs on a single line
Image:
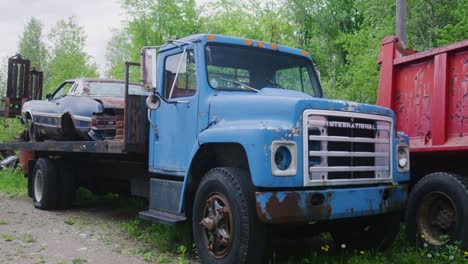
{"points": [[80, 109]]}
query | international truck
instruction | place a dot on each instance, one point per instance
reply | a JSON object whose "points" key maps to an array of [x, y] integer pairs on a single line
{"points": [[237, 139], [428, 92]]}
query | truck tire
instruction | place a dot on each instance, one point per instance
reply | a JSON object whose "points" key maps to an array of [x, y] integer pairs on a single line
{"points": [[45, 190], [225, 224], [437, 210], [67, 185], [371, 232]]}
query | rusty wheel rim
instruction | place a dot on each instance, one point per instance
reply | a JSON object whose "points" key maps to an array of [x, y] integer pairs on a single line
{"points": [[217, 225], [437, 218]]}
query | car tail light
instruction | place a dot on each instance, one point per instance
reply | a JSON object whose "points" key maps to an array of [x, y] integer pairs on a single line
{"points": [[103, 122]]}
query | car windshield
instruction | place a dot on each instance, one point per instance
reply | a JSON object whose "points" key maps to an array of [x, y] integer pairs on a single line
{"points": [[235, 67], [114, 89]]}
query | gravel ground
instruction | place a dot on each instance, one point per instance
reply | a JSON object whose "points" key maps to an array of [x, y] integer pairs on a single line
{"points": [[80, 235]]}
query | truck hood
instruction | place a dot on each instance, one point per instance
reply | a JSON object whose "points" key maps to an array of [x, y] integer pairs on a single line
{"points": [[275, 103]]}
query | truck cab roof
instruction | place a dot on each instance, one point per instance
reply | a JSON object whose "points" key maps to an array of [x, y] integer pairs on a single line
{"points": [[214, 38]]}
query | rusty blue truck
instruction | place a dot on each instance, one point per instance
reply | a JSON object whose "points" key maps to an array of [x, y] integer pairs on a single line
{"points": [[237, 139]]}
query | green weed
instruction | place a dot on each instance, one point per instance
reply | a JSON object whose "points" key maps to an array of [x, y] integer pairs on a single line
{"points": [[2, 222], [13, 183], [78, 261], [7, 238], [163, 237], [69, 221], [11, 129]]}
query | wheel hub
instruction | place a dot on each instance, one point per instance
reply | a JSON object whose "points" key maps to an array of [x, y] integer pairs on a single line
{"points": [[436, 218], [217, 225]]}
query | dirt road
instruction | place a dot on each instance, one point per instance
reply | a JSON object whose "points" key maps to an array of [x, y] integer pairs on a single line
{"points": [[80, 235]]}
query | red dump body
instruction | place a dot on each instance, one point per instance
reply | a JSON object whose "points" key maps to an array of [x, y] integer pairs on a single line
{"points": [[428, 92]]}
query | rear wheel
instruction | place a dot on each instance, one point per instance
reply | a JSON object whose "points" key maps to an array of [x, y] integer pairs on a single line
{"points": [[437, 210], [66, 184], [225, 224], [373, 232], [45, 185]]}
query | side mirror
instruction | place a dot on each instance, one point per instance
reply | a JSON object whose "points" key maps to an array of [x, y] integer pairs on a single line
{"points": [[48, 96], [153, 101], [148, 68]]}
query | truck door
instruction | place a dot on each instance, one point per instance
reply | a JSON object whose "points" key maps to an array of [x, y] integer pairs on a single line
{"points": [[175, 122]]}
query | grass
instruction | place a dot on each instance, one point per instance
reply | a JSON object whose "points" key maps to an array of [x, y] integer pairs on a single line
{"points": [[11, 128], [78, 261], [7, 238], [13, 183]]}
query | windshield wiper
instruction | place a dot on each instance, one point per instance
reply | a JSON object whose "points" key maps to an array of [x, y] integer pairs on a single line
{"points": [[241, 84], [275, 84]]}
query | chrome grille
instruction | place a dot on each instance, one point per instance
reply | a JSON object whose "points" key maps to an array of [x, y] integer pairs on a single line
{"points": [[346, 148]]}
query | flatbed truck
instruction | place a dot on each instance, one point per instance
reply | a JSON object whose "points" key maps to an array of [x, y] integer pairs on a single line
{"points": [[237, 139]]}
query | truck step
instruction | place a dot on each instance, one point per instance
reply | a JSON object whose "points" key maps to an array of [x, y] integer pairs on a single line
{"points": [[162, 217]]}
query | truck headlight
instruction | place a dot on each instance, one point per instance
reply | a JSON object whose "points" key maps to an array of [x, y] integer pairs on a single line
{"points": [[283, 158], [403, 158]]}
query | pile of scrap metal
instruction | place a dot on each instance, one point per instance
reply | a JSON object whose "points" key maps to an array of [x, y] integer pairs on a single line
{"points": [[8, 160]]}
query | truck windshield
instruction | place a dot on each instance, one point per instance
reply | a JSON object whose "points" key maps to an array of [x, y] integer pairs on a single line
{"points": [[235, 67]]}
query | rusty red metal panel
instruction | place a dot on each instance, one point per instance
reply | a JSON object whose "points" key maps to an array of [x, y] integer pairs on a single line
{"points": [[413, 87], [429, 93], [386, 86], [439, 120], [458, 105]]}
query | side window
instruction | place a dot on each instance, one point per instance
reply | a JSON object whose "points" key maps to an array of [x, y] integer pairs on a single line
{"points": [[186, 84], [62, 91]]}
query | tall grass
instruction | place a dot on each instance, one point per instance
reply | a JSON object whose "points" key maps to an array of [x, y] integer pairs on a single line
{"points": [[13, 183], [10, 129]]}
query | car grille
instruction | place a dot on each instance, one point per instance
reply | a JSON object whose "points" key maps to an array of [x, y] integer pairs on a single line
{"points": [[346, 148]]}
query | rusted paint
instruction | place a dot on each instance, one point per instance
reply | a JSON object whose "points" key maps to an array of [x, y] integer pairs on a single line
{"points": [[111, 102], [304, 206], [429, 93]]}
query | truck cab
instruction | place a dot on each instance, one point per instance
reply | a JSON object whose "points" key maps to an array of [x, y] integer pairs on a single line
{"points": [[242, 140]]}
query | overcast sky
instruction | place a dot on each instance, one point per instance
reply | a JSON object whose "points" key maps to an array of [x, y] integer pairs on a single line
{"points": [[97, 17]]}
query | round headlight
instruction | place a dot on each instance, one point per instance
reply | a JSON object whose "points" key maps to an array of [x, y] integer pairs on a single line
{"points": [[402, 158], [283, 158]]}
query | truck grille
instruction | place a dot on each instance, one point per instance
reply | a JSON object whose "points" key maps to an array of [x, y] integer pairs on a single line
{"points": [[346, 148]]}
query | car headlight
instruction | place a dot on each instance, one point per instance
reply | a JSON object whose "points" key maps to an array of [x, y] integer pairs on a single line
{"points": [[283, 158], [403, 158]]}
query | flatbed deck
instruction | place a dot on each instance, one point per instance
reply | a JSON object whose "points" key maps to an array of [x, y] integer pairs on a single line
{"points": [[103, 147]]}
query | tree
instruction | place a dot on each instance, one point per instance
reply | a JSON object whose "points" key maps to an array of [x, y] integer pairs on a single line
{"points": [[31, 45], [149, 23], [68, 59]]}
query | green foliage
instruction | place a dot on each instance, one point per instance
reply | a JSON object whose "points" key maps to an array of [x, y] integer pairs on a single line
{"points": [[31, 45], [162, 237], [68, 60], [11, 129], [13, 183]]}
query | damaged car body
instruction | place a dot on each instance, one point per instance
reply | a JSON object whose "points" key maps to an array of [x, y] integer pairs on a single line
{"points": [[80, 109]]}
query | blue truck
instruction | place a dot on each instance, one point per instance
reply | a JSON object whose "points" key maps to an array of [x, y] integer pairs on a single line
{"points": [[237, 139]]}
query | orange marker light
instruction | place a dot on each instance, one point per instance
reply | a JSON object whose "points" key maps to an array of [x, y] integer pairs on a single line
{"points": [[210, 37], [274, 46], [303, 52], [248, 42], [261, 44]]}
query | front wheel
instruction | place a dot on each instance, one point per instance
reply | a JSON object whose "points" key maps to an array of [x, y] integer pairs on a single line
{"points": [[372, 232], [437, 210], [225, 224]]}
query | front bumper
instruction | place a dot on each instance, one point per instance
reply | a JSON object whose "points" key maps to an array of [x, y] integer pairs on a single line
{"points": [[319, 205]]}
